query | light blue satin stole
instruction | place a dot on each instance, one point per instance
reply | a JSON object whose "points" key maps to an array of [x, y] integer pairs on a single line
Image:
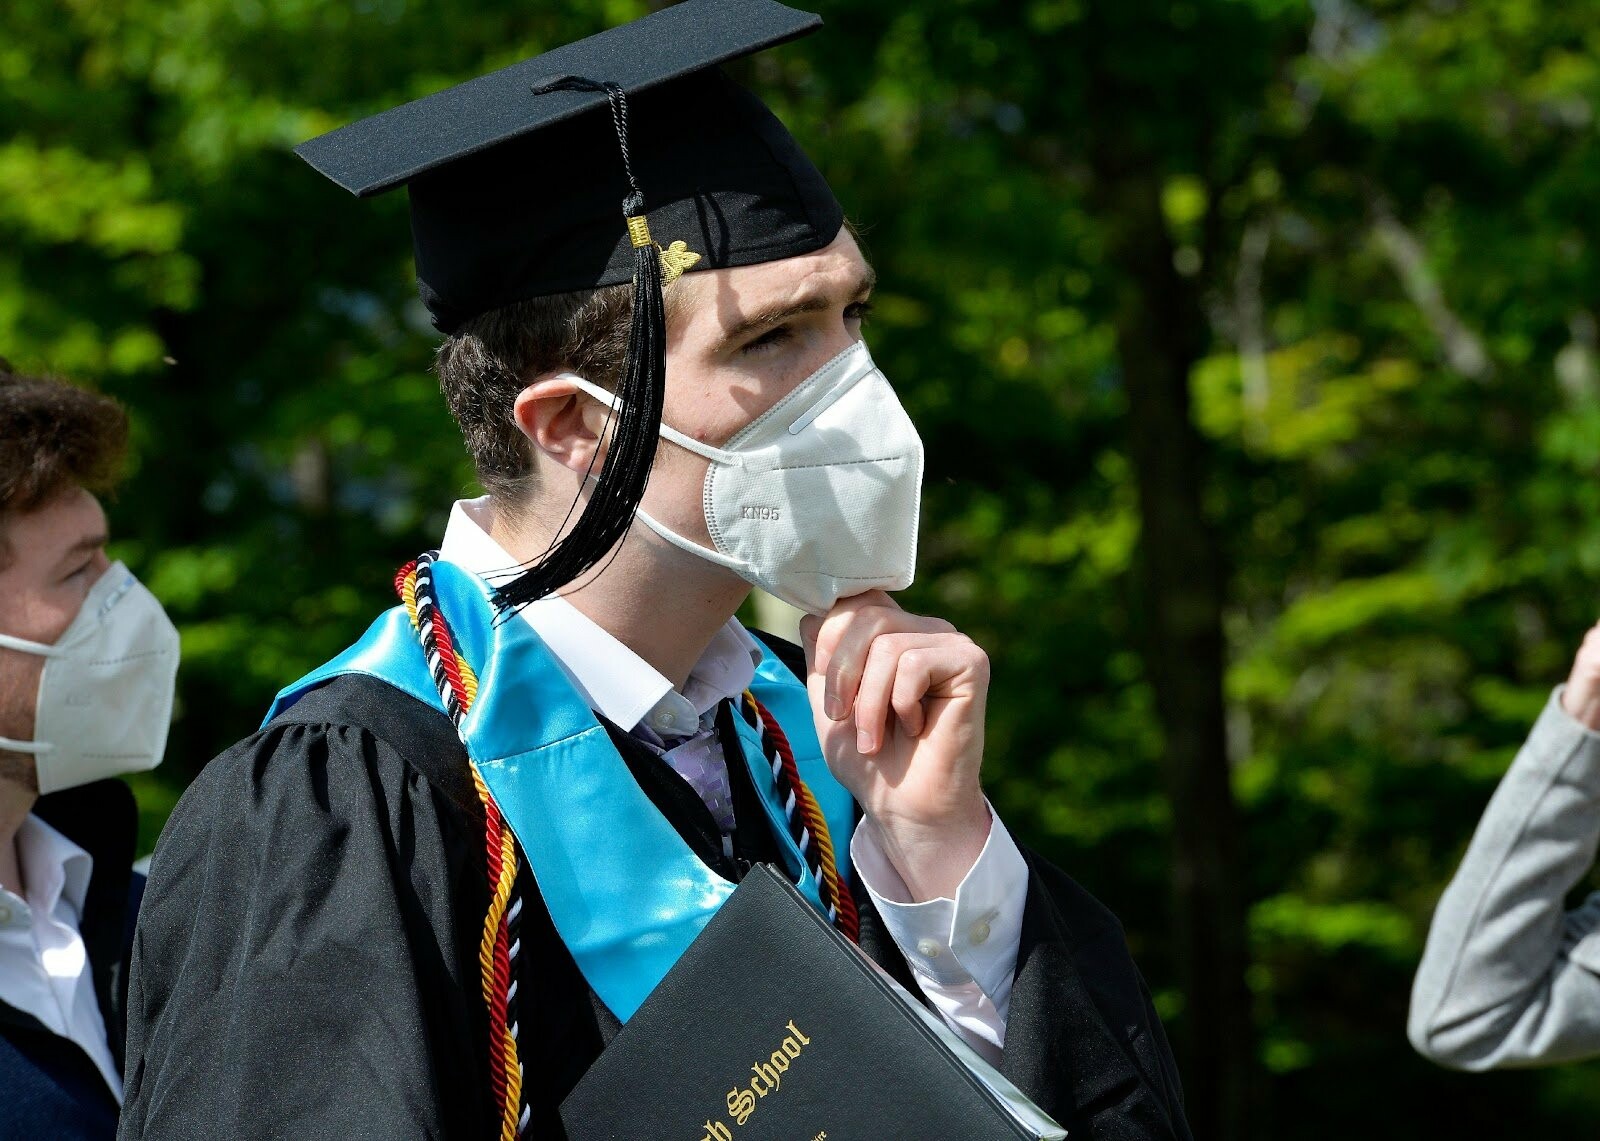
{"points": [[626, 893]]}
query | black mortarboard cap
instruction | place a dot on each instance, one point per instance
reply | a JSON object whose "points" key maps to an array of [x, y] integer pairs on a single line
{"points": [[514, 194], [586, 167]]}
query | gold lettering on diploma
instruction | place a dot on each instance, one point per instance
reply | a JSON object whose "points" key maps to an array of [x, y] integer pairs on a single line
{"points": [[766, 1077]]}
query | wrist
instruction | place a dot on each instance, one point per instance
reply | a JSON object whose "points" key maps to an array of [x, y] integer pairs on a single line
{"points": [[933, 855]]}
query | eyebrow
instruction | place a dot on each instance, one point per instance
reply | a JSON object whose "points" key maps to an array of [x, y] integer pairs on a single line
{"points": [[777, 314], [83, 546]]}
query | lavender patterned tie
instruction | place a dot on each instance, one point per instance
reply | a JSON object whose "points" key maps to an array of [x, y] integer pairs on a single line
{"points": [[699, 760]]}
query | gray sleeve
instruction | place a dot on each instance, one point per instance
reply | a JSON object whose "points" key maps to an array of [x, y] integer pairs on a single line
{"points": [[1510, 978]]}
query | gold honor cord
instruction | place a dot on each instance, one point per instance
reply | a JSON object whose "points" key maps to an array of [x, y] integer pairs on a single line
{"points": [[495, 961]]}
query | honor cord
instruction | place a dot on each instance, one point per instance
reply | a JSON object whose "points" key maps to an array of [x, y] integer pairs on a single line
{"points": [[807, 824], [501, 943]]}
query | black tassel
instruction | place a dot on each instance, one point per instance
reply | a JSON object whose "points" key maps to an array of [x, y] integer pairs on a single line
{"points": [[632, 429]]}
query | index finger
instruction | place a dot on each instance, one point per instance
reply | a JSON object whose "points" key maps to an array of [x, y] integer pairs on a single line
{"points": [[828, 631]]}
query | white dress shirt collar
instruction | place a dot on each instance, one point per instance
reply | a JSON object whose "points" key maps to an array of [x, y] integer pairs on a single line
{"points": [[618, 684], [54, 869]]}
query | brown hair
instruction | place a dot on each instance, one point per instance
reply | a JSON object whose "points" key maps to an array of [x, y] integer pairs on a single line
{"points": [[54, 435], [492, 358], [489, 360]]}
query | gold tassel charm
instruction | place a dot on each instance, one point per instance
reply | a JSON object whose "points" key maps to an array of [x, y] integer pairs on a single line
{"points": [[674, 258]]}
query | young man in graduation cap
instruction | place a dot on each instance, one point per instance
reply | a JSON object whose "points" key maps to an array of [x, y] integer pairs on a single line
{"points": [[423, 898]]}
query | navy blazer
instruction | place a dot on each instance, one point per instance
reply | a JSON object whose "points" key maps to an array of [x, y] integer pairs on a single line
{"points": [[48, 1086]]}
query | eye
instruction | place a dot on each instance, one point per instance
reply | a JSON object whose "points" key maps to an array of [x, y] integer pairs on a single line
{"points": [[771, 339], [858, 311]]}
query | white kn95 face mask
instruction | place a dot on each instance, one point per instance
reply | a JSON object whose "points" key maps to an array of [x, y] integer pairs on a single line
{"points": [[818, 497], [105, 694]]}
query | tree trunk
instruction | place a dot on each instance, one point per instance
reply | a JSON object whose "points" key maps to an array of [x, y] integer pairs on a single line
{"points": [[1160, 333]]}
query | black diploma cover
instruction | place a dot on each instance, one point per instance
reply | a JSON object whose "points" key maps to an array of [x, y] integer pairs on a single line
{"points": [[773, 1027]]}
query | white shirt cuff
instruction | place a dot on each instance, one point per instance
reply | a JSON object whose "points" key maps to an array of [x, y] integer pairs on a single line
{"points": [[952, 943]]}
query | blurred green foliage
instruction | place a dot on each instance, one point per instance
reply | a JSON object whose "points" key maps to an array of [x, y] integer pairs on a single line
{"points": [[1387, 208]]}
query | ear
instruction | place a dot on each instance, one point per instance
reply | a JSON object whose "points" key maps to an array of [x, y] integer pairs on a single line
{"points": [[562, 421]]}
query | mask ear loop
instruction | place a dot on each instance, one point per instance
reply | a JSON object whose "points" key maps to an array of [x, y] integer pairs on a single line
{"points": [[715, 455], [38, 649], [99, 606], [33, 747], [41, 650], [689, 443]]}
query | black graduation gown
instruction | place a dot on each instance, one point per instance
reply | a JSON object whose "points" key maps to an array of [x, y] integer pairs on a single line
{"points": [[305, 963]]}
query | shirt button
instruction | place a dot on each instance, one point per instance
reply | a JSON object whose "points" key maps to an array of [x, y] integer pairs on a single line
{"points": [[5, 914], [665, 722], [928, 949], [979, 932]]}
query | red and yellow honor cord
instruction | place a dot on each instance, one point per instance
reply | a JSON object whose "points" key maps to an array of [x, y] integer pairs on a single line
{"points": [[497, 950], [806, 823]]}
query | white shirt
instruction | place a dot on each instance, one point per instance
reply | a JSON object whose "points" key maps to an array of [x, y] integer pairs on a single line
{"points": [[963, 951], [44, 967]]}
